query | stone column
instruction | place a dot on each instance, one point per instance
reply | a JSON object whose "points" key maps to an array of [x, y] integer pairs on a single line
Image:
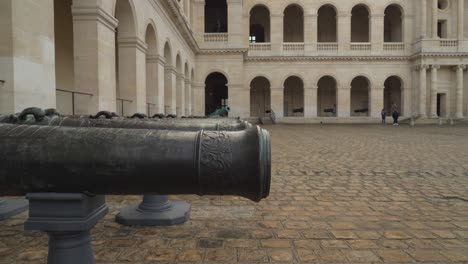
{"points": [[152, 82], [277, 101], [459, 111], [423, 19], [376, 101], [310, 102], [198, 99], [160, 95], [422, 90], [94, 57], [344, 31], [180, 95], [199, 20], [310, 32], [377, 31], [435, 18], [188, 97], [235, 23], [461, 19], [276, 34], [434, 89], [132, 74], [238, 100], [170, 93], [343, 101]]}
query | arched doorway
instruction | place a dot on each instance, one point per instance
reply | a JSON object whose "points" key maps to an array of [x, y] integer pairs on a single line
{"points": [[293, 23], [259, 97], [180, 82], [169, 91], [392, 95], [360, 88], [360, 31], [216, 92], [125, 60], [187, 88], [294, 97], [259, 24], [152, 89], [393, 24], [326, 97], [326, 24], [216, 16], [64, 61]]}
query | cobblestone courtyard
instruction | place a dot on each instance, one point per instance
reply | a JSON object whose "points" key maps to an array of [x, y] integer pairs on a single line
{"points": [[340, 194]]}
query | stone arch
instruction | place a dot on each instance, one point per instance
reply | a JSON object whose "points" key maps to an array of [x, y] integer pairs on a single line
{"points": [[187, 90], [124, 11], [259, 24], [294, 96], [260, 96], [64, 60], [393, 88], [360, 95], [180, 83], [152, 87], [393, 23], [128, 100], [216, 92], [327, 96], [360, 23], [293, 23], [216, 16], [169, 80], [327, 23]]}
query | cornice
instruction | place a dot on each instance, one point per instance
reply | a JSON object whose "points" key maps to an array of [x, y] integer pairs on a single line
{"points": [[180, 21], [329, 58], [439, 55], [94, 13], [222, 51]]}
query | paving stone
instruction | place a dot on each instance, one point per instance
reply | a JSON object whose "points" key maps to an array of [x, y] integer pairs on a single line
{"points": [[389, 255], [339, 194]]}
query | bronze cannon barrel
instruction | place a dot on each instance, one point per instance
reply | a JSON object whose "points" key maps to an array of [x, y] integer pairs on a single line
{"points": [[135, 123], [134, 161]]}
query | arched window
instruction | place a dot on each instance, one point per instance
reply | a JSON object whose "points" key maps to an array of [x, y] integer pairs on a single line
{"points": [[393, 24], [259, 24], [326, 24], [216, 16], [360, 17], [293, 24]]}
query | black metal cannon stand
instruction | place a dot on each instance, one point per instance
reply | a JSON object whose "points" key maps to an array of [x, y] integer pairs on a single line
{"points": [[67, 218], [11, 207], [154, 210]]}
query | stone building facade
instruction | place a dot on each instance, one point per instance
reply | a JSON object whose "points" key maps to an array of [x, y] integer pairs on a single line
{"points": [[312, 59]]}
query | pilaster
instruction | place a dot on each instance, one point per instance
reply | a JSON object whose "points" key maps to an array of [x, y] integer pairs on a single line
{"points": [[434, 89], [277, 101], [343, 101], [310, 102]]}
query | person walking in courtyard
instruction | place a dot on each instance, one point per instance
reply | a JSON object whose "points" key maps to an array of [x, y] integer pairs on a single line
{"points": [[395, 116], [384, 116]]}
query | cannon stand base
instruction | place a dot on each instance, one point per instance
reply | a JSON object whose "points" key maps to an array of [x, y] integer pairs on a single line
{"points": [[67, 218], [11, 207], [155, 210]]}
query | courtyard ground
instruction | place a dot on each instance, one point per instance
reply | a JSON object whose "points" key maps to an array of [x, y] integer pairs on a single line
{"points": [[340, 194]]}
